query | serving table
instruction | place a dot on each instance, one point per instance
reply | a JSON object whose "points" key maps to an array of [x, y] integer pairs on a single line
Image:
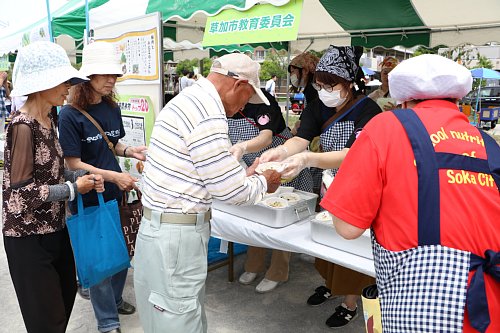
{"points": [[294, 238]]}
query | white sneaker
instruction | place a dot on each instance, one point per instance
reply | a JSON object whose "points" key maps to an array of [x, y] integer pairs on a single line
{"points": [[247, 278], [266, 286]]}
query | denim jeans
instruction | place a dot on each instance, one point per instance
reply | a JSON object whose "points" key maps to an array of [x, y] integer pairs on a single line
{"points": [[106, 297]]}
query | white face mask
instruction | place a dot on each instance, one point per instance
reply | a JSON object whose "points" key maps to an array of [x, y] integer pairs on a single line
{"points": [[331, 99], [294, 80]]}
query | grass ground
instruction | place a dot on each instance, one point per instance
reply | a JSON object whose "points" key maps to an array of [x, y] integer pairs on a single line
{"points": [[292, 118]]}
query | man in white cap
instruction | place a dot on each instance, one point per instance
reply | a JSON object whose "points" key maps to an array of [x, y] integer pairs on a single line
{"points": [[188, 166], [427, 183]]}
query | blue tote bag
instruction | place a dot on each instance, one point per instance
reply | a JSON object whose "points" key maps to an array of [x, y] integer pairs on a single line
{"points": [[97, 240]]}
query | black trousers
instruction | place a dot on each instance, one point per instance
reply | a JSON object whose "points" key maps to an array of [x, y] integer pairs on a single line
{"points": [[42, 269]]}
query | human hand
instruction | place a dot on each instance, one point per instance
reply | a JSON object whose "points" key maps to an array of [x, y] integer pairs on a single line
{"points": [[238, 150], [84, 184], [125, 181], [273, 179], [98, 183], [275, 154], [295, 164], [251, 169], [138, 152], [389, 106]]}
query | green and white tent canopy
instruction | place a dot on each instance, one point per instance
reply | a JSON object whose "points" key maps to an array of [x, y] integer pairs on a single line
{"points": [[384, 23]]}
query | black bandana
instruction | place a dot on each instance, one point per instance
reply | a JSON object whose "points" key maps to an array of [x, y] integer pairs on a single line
{"points": [[340, 61]]}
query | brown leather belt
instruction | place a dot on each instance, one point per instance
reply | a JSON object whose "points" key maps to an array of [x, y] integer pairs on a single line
{"points": [[175, 218]]}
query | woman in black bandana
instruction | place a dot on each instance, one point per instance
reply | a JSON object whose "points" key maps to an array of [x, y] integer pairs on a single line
{"points": [[336, 116]]}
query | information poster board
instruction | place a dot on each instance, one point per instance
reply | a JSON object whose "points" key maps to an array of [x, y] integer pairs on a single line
{"points": [[138, 120], [138, 43], [138, 52]]}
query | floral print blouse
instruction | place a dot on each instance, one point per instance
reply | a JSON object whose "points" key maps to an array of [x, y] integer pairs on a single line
{"points": [[25, 211]]}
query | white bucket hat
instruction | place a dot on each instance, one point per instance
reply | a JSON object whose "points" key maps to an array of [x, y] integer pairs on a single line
{"points": [[40, 66], [429, 76], [241, 67], [100, 58]]}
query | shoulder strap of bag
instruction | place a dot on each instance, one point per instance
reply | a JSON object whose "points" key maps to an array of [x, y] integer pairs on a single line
{"points": [[99, 128]]}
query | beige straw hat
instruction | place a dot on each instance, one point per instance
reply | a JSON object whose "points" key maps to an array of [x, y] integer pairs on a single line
{"points": [[100, 58]]}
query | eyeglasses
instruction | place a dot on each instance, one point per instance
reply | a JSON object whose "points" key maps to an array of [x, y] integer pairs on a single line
{"points": [[325, 87]]}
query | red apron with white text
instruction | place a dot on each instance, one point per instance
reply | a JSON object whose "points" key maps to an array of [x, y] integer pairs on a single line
{"points": [[424, 289]]}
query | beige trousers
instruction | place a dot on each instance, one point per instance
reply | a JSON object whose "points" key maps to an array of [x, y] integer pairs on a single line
{"points": [[170, 269], [278, 270]]}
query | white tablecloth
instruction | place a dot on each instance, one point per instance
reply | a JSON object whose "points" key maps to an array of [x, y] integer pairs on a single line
{"points": [[295, 238]]}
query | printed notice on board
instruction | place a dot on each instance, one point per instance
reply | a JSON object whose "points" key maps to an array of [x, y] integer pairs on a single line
{"points": [[138, 55], [134, 131]]}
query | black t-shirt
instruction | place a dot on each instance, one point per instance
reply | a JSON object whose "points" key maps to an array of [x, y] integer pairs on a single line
{"points": [[265, 116], [310, 95], [316, 114], [80, 138]]}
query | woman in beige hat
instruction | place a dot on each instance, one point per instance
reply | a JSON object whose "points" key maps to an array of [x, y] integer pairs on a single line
{"points": [[36, 240], [85, 148]]}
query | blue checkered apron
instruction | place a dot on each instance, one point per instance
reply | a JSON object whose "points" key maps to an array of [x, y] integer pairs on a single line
{"points": [[334, 138], [243, 130], [424, 289]]}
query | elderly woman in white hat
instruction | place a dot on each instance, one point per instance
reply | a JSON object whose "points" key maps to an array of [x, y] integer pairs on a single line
{"points": [[427, 184], [34, 190], [86, 148]]}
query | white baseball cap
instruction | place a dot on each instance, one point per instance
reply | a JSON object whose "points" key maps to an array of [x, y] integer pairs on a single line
{"points": [[100, 58], [40, 66], [241, 67], [429, 76]]}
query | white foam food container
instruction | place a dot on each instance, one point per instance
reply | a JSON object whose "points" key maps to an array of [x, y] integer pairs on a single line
{"points": [[323, 232], [274, 217]]}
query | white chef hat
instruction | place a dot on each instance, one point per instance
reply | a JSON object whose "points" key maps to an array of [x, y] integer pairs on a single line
{"points": [[429, 76]]}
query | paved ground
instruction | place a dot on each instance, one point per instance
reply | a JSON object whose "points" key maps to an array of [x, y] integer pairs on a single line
{"points": [[230, 306]]}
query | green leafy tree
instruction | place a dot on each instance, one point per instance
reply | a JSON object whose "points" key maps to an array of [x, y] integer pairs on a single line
{"points": [[318, 54], [427, 50], [272, 65], [464, 55], [207, 63], [483, 62], [188, 64]]}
